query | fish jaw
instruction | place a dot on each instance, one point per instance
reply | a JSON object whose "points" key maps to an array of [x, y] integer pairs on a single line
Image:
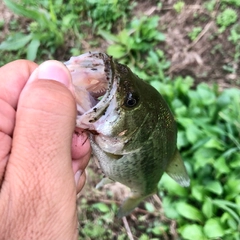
{"points": [[92, 77], [89, 71]]}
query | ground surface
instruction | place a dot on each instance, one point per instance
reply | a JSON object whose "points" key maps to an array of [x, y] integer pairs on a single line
{"points": [[209, 58], [206, 58]]}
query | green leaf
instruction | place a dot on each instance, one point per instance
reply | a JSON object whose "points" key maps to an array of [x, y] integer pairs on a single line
{"points": [[173, 187], [189, 212], [206, 94], [144, 237], [117, 51], [198, 192], [215, 187], [158, 230], [207, 208], [213, 228], [29, 13], [224, 205], [32, 49], [15, 42], [168, 206], [221, 166], [192, 231], [214, 143], [108, 36], [193, 133], [102, 207], [160, 37], [149, 207], [123, 37]]}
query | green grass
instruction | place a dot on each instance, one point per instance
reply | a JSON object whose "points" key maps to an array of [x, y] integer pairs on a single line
{"points": [[208, 117]]}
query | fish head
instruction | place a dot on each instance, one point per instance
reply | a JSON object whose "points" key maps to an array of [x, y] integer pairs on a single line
{"points": [[123, 110], [135, 112]]}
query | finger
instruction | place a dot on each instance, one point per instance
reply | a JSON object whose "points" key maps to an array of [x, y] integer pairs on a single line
{"points": [[80, 143], [5, 147], [7, 116], [80, 150], [39, 173], [13, 77], [81, 181]]}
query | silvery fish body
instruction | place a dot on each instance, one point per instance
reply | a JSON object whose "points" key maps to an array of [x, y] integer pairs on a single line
{"points": [[133, 132]]}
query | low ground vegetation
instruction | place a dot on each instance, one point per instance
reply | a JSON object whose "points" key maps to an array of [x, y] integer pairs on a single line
{"points": [[189, 51]]}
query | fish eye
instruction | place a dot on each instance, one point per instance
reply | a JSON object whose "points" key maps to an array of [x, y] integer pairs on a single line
{"points": [[131, 100]]}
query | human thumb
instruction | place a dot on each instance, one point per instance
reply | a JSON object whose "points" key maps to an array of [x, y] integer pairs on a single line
{"points": [[39, 168]]}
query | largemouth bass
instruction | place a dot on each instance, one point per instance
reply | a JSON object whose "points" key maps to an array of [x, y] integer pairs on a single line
{"points": [[132, 130]]}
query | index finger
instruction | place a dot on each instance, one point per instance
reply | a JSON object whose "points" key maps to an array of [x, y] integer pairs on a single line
{"points": [[13, 77]]}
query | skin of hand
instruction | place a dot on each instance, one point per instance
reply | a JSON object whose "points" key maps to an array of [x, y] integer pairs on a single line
{"points": [[42, 158]]}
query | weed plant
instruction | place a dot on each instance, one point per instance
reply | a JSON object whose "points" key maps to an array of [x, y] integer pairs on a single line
{"points": [[208, 118]]}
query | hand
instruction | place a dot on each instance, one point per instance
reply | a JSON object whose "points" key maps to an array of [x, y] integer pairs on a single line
{"points": [[40, 156]]}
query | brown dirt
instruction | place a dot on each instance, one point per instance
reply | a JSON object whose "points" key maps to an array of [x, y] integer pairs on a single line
{"points": [[203, 58]]}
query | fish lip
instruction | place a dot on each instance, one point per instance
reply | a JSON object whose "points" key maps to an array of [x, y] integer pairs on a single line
{"points": [[90, 60]]}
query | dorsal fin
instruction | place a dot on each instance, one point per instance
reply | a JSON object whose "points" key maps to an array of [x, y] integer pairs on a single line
{"points": [[177, 170]]}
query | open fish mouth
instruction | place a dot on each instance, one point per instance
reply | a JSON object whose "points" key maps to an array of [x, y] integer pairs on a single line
{"points": [[95, 84]]}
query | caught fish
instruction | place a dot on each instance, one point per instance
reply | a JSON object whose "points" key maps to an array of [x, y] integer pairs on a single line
{"points": [[132, 130]]}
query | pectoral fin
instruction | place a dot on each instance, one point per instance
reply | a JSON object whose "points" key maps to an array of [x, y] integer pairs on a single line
{"points": [[129, 204], [177, 170]]}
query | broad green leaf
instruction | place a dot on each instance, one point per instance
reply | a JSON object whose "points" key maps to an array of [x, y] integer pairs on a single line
{"points": [[207, 208], [159, 230], [204, 156], [215, 187], [227, 219], [193, 133], [173, 187], [69, 19], [237, 200], [221, 166], [169, 208], [149, 207], [226, 206], [189, 212], [160, 37], [235, 160], [29, 13], [181, 139], [206, 94], [117, 51], [102, 207], [198, 192], [144, 237], [213, 228], [108, 36], [181, 111], [214, 143], [185, 121], [15, 42], [192, 231], [123, 37], [32, 49]]}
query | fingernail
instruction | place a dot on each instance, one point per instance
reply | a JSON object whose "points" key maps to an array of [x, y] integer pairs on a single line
{"points": [[52, 70], [77, 176]]}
